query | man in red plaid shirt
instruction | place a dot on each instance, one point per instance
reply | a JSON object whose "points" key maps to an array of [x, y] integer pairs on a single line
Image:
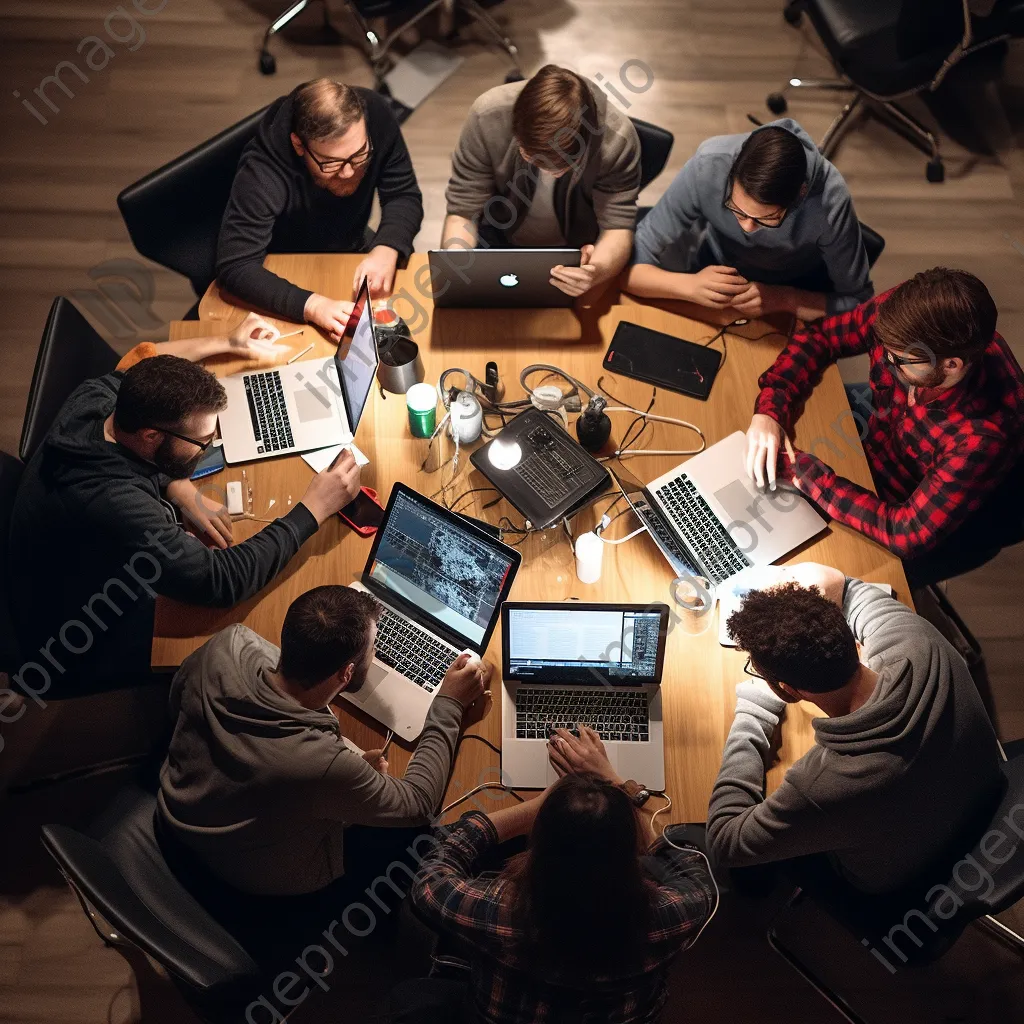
{"points": [[943, 428]]}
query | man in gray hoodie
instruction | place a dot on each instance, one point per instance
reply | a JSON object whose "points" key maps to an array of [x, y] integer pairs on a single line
{"points": [[260, 784], [759, 222], [905, 756]]}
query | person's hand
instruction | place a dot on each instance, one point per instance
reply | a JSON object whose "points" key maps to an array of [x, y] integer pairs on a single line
{"points": [[330, 491], [716, 286], [207, 516], [376, 760], [758, 299], [378, 270], [479, 709], [330, 315], [765, 439], [584, 753], [576, 281], [466, 680], [253, 337]]}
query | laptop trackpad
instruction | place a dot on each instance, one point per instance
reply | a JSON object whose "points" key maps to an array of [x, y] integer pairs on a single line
{"points": [[740, 504], [611, 749], [312, 404], [376, 675]]}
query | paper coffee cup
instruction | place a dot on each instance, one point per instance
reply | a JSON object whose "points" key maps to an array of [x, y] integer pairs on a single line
{"points": [[589, 554]]}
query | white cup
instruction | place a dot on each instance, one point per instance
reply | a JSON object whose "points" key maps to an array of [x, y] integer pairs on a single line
{"points": [[589, 552], [695, 602]]}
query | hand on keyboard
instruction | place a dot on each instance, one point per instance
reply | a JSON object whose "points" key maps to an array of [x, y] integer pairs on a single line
{"points": [[581, 753], [466, 680]]}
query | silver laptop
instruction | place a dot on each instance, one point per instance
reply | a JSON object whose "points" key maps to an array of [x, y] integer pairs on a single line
{"points": [[498, 278], [708, 515], [299, 408], [592, 664], [441, 579]]}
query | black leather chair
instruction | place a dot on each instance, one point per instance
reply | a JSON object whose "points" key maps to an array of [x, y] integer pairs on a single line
{"points": [[136, 903], [655, 148], [10, 475], [885, 50], [173, 214], [70, 352], [908, 929]]}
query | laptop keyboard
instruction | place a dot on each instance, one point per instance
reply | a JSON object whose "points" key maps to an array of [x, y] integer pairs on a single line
{"points": [[623, 716], [268, 412], [708, 539], [414, 652], [678, 558]]}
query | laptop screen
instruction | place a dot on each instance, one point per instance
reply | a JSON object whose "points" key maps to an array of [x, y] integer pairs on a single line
{"points": [[617, 645], [357, 359], [449, 571]]}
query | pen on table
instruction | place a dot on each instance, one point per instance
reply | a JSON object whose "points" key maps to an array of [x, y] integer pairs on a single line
{"points": [[299, 355], [291, 334]]}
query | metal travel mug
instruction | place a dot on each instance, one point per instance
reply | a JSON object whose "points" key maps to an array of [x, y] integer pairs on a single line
{"points": [[400, 364]]}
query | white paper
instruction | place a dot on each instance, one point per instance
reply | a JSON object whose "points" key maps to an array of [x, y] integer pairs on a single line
{"points": [[318, 461]]}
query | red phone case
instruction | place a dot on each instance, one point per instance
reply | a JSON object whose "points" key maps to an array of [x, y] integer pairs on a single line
{"points": [[364, 531]]}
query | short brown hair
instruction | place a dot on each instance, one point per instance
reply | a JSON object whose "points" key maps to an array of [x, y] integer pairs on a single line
{"points": [[771, 166], [947, 312], [164, 391], [797, 636], [324, 109], [549, 112], [325, 629]]}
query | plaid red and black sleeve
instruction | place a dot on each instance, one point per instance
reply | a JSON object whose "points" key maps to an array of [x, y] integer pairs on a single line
{"points": [[974, 465], [445, 891], [686, 892], [788, 382]]}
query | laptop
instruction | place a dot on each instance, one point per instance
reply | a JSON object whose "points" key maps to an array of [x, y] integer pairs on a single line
{"points": [[313, 404], [595, 664], [709, 519], [498, 278], [441, 580]]}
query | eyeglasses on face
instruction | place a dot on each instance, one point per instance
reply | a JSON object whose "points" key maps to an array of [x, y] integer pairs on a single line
{"points": [[748, 669], [895, 359], [774, 221], [203, 446], [331, 165]]}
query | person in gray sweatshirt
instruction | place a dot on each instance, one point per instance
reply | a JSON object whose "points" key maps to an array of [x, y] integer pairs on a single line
{"points": [[759, 223], [904, 758], [259, 783]]}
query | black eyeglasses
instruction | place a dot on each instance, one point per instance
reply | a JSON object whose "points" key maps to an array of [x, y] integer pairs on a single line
{"points": [[203, 446], [332, 165], [898, 360], [762, 222], [748, 669]]}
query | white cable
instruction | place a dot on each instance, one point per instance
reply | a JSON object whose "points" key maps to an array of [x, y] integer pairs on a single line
{"points": [[688, 849], [621, 540], [482, 786], [619, 452]]}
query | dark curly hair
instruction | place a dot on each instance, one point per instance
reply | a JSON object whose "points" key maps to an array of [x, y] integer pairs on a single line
{"points": [[797, 636]]}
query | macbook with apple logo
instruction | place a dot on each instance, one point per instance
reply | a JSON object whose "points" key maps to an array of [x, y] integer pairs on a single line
{"points": [[498, 278]]}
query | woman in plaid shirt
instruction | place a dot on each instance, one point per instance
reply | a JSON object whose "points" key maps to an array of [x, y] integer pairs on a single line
{"points": [[580, 928]]}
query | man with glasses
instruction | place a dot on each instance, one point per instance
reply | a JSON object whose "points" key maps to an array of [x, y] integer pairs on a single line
{"points": [[941, 422], [306, 183], [759, 223], [95, 534]]}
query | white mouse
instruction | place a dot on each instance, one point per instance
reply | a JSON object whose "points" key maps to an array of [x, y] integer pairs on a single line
{"points": [[474, 658]]}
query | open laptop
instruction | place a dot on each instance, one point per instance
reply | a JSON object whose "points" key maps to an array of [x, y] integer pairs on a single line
{"points": [[710, 519], [498, 278], [299, 408], [441, 580], [595, 664]]}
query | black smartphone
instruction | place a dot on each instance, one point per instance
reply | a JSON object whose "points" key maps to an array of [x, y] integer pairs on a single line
{"points": [[364, 513], [212, 462]]}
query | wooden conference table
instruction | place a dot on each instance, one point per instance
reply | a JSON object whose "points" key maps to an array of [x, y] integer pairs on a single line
{"points": [[700, 675]]}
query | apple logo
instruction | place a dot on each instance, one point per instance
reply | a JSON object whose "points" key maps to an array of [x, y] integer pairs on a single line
{"points": [[509, 280]]}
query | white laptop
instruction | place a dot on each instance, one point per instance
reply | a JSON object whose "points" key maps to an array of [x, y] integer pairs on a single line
{"points": [[498, 278], [441, 578], [595, 664], [299, 408], [712, 517]]}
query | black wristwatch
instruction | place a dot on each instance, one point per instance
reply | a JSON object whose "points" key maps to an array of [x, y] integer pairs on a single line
{"points": [[638, 794]]}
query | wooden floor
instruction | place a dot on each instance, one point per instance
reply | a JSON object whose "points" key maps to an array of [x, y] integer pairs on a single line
{"points": [[713, 61]]}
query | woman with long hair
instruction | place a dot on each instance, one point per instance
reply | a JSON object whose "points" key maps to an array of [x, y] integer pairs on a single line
{"points": [[579, 928]]}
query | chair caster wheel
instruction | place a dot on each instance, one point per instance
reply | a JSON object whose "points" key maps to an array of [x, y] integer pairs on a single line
{"points": [[515, 75], [776, 103], [793, 12], [268, 63], [935, 171]]}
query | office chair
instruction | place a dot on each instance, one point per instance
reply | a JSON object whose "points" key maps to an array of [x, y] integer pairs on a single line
{"points": [[655, 147], [137, 905], [884, 51], [10, 475], [871, 919], [70, 352], [378, 50], [173, 214]]}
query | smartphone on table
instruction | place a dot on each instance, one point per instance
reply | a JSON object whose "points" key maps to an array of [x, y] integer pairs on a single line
{"points": [[364, 513]]}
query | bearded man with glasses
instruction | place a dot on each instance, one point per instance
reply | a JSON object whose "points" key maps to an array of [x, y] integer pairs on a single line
{"points": [[306, 183]]}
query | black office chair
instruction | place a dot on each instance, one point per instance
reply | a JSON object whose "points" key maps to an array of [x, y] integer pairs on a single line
{"points": [[10, 475], [173, 214], [885, 50], [871, 919], [137, 905], [70, 352], [378, 51], [655, 148]]}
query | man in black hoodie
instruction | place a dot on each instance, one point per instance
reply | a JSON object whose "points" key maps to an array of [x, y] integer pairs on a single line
{"points": [[306, 184], [95, 536]]}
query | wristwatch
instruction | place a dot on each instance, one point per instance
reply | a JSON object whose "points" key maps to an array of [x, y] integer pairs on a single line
{"points": [[637, 793]]}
